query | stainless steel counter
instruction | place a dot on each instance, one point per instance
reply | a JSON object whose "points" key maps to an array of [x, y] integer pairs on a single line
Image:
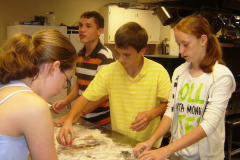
{"points": [[114, 136]]}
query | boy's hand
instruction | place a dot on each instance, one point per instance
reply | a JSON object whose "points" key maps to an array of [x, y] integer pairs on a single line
{"points": [[62, 119], [58, 106], [141, 121]]}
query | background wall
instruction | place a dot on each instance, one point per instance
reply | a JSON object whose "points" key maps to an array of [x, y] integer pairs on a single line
{"points": [[65, 11]]}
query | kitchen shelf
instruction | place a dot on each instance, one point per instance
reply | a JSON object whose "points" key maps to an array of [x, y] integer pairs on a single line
{"points": [[162, 56], [229, 45]]}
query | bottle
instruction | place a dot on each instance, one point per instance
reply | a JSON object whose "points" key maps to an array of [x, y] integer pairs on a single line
{"points": [[46, 19], [51, 19], [42, 20], [165, 46], [36, 19]]}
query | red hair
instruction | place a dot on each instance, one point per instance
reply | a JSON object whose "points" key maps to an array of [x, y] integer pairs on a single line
{"points": [[198, 26]]}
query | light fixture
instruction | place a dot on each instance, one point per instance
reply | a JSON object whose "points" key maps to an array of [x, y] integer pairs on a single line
{"points": [[167, 15]]}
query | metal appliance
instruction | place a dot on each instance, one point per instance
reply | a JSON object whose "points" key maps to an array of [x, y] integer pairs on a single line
{"points": [[220, 13]]}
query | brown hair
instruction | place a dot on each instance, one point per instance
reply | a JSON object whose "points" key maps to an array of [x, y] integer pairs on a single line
{"points": [[131, 34], [197, 26], [22, 55], [98, 18]]}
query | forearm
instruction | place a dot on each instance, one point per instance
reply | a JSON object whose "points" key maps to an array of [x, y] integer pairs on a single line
{"points": [[158, 111], [161, 130], [187, 140], [73, 94], [77, 108], [92, 105]]}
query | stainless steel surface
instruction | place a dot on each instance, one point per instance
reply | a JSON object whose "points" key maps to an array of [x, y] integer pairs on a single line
{"points": [[230, 32], [110, 144], [116, 137], [125, 154], [173, 157], [221, 14], [166, 15], [220, 6]]}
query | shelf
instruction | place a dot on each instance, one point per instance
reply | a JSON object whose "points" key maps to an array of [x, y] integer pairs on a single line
{"points": [[229, 45], [161, 56]]}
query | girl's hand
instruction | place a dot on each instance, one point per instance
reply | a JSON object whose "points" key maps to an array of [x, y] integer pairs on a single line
{"points": [[157, 154], [140, 147]]}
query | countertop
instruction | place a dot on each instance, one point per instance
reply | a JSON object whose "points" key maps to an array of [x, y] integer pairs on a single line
{"points": [[116, 137], [110, 144]]}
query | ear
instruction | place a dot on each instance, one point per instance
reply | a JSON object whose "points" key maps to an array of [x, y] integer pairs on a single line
{"points": [[142, 51], [100, 30], [204, 39], [54, 67]]}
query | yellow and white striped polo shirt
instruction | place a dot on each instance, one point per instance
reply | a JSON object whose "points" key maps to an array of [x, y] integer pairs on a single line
{"points": [[128, 96]]}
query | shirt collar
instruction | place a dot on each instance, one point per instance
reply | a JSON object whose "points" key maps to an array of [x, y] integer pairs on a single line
{"points": [[143, 70], [145, 66], [98, 47]]}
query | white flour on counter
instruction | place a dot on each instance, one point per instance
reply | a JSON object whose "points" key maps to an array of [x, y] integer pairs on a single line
{"points": [[91, 144]]}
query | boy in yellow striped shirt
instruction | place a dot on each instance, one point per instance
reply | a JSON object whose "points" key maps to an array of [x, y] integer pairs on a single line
{"points": [[138, 88]]}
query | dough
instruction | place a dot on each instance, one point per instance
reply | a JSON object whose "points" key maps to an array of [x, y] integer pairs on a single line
{"points": [[75, 148], [57, 125]]}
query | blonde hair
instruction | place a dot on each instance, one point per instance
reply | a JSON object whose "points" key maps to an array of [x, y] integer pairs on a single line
{"points": [[21, 55]]}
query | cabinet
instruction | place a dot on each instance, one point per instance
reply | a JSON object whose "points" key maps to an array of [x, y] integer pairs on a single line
{"points": [[153, 28], [135, 15], [115, 16]]}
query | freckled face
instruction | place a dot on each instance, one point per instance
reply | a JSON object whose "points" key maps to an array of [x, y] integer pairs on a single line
{"points": [[190, 47]]}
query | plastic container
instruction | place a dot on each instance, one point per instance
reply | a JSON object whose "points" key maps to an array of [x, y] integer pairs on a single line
{"points": [[51, 19], [46, 23]]}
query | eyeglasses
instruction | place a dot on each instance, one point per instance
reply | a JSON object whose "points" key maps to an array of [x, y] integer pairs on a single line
{"points": [[68, 82]]}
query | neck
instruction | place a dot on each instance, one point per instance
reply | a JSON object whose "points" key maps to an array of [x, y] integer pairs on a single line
{"points": [[135, 70], [33, 84], [195, 71], [28, 82], [194, 66], [90, 46]]}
